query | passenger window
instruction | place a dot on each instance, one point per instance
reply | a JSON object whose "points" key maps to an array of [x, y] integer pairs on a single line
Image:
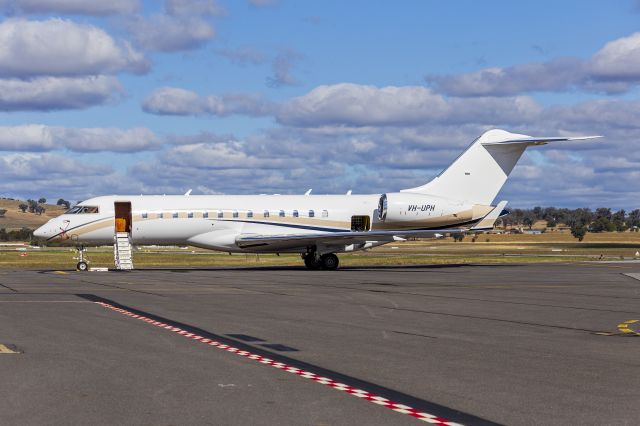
{"points": [[220, 215], [145, 215], [281, 214], [205, 215], [266, 213], [312, 213], [161, 215], [325, 213], [249, 214], [235, 214], [190, 215], [175, 215], [295, 213]]}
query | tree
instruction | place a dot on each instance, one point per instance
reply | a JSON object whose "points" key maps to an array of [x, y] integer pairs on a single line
{"points": [[527, 221], [579, 230], [42, 200], [63, 202], [458, 237], [538, 212], [619, 220], [23, 207], [32, 205]]}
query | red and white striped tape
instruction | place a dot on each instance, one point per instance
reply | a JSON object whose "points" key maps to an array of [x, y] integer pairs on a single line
{"points": [[400, 408]]}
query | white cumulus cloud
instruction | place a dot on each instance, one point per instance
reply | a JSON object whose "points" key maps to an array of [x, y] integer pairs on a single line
{"points": [[53, 93], [38, 137], [615, 68], [58, 47], [176, 101]]}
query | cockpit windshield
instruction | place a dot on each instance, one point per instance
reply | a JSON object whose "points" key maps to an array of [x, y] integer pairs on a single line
{"points": [[82, 210]]}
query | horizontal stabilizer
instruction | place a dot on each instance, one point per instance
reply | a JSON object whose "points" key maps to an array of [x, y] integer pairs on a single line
{"points": [[538, 140]]}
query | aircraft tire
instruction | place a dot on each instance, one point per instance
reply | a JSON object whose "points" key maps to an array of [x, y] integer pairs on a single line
{"points": [[82, 266], [311, 263], [330, 261]]}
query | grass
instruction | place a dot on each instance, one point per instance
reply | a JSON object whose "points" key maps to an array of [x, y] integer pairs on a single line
{"points": [[499, 249]]}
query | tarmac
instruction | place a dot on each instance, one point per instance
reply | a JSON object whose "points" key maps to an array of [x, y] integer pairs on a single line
{"points": [[472, 344]]}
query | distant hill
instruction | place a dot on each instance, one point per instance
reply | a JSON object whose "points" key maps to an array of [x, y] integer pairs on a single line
{"points": [[15, 219]]}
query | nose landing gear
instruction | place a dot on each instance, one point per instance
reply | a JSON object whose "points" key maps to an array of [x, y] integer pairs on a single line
{"points": [[82, 264]]}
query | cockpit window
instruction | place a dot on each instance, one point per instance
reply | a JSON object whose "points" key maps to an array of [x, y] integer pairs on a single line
{"points": [[73, 210], [82, 210]]}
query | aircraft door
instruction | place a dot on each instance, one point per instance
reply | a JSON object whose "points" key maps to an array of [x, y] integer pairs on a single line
{"points": [[123, 217], [360, 223]]}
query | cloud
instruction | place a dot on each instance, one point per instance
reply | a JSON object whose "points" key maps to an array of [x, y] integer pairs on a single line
{"points": [[615, 68], [38, 137], [263, 3], [176, 101], [54, 93], [556, 75], [107, 139], [78, 7], [58, 47], [282, 66], [243, 56], [618, 60], [42, 166], [359, 105], [27, 175], [194, 8], [167, 33]]}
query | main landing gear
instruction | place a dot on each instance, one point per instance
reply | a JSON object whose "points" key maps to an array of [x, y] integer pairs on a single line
{"points": [[327, 261]]}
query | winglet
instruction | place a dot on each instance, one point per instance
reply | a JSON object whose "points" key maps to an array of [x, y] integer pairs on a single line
{"points": [[489, 220]]}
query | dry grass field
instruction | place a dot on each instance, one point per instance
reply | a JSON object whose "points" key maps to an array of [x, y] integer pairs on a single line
{"points": [[15, 219]]}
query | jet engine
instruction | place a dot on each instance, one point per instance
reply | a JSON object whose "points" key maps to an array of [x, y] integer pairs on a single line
{"points": [[413, 209]]}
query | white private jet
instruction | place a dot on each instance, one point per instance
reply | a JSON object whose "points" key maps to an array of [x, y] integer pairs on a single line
{"points": [[459, 199]]}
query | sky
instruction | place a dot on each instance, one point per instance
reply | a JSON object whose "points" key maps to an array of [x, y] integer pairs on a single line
{"points": [[279, 96]]}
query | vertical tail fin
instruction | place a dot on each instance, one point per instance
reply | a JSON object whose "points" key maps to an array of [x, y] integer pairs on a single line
{"points": [[479, 173]]}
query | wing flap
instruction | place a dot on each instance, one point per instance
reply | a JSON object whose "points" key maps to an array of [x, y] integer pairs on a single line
{"points": [[291, 241]]}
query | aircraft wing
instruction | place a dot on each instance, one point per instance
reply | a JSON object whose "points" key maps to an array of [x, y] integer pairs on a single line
{"points": [[291, 241], [295, 241]]}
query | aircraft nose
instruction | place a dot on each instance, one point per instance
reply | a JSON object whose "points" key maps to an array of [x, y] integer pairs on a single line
{"points": [[41, 233]]}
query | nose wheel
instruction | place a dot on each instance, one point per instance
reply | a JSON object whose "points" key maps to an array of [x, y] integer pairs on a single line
{"points": [[82, 264]]}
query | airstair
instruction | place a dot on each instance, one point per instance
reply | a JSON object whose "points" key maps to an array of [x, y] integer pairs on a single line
{"points": [[122, 251]]}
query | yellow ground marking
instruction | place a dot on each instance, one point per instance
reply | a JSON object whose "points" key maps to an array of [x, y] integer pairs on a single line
{"points": [[6, 350], [624, 327], [60, 272]]}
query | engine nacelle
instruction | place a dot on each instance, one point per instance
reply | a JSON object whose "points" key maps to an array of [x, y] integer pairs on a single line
{"points": [[414, 210]]}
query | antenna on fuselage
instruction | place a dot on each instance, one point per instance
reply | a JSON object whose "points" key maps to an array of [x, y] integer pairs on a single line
{"points": [[349, 192], [308, 191], [186, 194]]}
